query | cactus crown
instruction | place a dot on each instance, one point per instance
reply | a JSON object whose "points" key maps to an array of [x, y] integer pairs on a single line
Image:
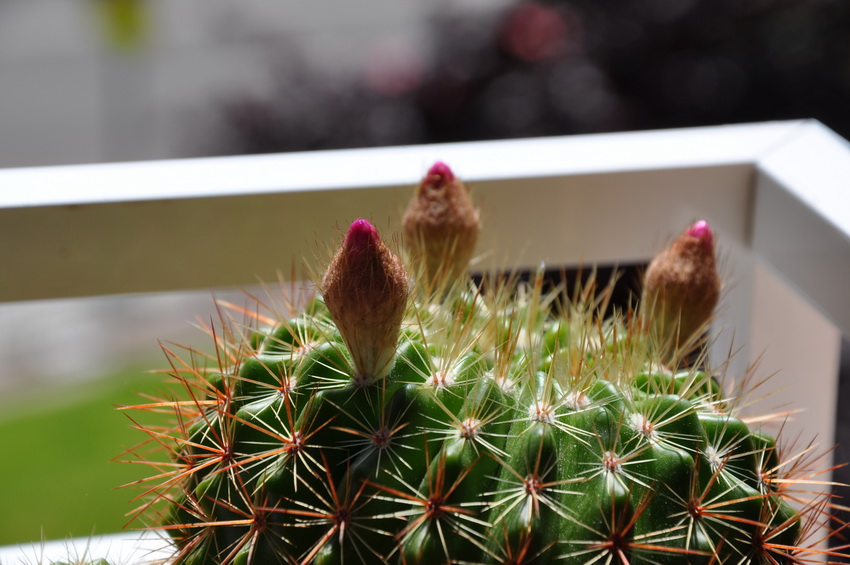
{"points": [[497, 423]]}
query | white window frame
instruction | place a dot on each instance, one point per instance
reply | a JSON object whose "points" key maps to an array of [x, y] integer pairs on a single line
{"points": [[777, 195]]}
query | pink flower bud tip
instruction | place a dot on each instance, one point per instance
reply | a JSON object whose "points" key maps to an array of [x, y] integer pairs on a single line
{"points": [[702, 231], [361, 236], [440, 173]]}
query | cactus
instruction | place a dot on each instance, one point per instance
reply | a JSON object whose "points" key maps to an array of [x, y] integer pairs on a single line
{"points": [[407, 415]]}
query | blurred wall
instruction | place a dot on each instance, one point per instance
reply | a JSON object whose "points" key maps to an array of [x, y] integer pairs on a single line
{"points": [[74, 90], [112, 80]]}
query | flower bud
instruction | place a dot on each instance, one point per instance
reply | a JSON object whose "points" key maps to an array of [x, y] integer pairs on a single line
{"points": [[681, 290], [441, 225], [365, 289]]}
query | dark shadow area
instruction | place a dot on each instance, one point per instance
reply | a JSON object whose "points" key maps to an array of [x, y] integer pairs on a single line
{"points": [[555, 67], [625, 279]]}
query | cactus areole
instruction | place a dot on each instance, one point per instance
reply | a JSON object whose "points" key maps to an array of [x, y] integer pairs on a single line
{"points": [[393, 420]]}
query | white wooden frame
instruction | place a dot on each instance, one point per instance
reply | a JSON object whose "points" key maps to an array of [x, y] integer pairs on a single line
{"points": [[777, 194]]}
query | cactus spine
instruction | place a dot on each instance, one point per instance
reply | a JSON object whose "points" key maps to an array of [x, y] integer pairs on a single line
{"points": [[436, 421]]}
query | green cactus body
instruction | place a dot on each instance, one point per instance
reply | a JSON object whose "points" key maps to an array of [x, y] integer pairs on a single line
{"points": [[509, 428], [442, 461]]}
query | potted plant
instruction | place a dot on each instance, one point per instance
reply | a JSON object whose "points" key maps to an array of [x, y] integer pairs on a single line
{"points": [[535, 428]]}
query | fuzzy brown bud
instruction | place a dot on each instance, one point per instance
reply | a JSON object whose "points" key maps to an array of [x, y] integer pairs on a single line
{"points": [[441, 225], [365, 289], [681, 290]]}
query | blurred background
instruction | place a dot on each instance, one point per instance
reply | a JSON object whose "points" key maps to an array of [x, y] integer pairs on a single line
{"points": [[106, 80], [86, 81]]}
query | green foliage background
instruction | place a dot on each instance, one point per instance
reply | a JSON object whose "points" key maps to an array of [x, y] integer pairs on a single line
{"points": [[58, 464]]}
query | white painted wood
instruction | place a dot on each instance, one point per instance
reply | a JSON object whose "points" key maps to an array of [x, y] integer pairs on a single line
{"points": [[202, 223], [353, 169], [786, 302], [131, 547], [801, 220]]}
